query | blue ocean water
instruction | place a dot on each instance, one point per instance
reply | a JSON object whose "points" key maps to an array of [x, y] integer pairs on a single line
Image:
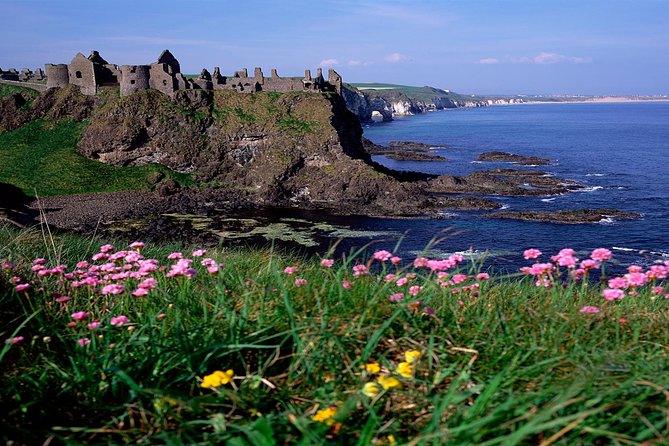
{"points": [[619, 151]]}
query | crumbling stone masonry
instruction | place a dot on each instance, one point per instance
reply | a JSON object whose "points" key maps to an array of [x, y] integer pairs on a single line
{"points": [[93, 72]]}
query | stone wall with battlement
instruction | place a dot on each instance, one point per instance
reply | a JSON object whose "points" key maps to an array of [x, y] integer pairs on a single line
{"points": [[93, 72]]}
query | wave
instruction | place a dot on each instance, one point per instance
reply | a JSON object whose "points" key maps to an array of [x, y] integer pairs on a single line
{"points": [[607, 221], [504, 206], [548, 200], [595, 174], [448, 214], [590, 189], [476, 162]]}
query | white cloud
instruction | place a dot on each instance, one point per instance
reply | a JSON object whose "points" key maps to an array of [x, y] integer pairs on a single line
{"points": [[396, 58], [328, 63], [489, 61], [359, 63], [550, 58]]}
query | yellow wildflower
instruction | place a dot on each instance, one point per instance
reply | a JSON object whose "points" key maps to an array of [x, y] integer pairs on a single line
{"points": [[411, 356], [373, 368], [389, 382], [326, 415], [371, 390], [405, 369], [218, 378]]}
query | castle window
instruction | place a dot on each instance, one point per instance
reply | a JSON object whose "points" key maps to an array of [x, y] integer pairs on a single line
{"points": [[78, 74], [164, 82], [132, 81]]}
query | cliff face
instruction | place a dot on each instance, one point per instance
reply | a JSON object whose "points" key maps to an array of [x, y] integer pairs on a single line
{"points": [[389, 102], [292, 148]]}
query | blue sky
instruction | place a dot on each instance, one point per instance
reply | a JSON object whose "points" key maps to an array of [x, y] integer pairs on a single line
{"points": [[470, 46]]}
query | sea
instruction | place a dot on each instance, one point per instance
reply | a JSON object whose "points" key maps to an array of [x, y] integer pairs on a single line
{"points": [[618, 151]]}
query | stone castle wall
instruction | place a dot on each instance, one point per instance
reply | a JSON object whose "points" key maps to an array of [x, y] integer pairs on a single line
{"points": [[93, 72]]}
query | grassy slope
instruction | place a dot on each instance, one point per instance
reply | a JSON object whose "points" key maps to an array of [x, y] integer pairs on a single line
{"points": [[8, 90], [41, 157], [513, 364]]}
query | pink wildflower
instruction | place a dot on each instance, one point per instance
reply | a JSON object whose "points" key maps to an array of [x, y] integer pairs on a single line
{"points": [[140, 292], [458, 278], [83, 264], [300, 281], [63, 299], [106, 248], [22, 287], [199, 252], [212, 269], [636, 279], [401, 282], [79, 315], [14, 340], [15, 279], [395, 260], [100, 256], [383, 255], [390, 277], [37, 268], [589, 310], [601, 254], [149, 283], [93, 325], [136, 245], [327, 263], [589, 264], [414, 290], [613, 294], [113, 289], [397, 297], [175, 256], [346, 284], [618, 283], [161, 316], [657, 290], [119, 321], [420, 262], [39, 261], [482, 276], [83, 342], [8, 266], [658, 272], [531, 254], [290, 269], [634, 269], [360, 270]]}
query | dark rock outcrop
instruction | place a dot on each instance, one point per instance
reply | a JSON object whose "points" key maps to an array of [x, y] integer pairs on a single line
{"points": [[576, 216], [513, 158]]}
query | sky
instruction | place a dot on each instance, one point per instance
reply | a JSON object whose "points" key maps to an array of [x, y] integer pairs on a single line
{"points": [[588, 47]]}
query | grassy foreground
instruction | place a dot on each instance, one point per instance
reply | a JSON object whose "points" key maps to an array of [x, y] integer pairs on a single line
{"points": [[249, 347]]}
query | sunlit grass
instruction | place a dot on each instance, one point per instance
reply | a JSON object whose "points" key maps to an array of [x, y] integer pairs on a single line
{"points": [[313, 351]]}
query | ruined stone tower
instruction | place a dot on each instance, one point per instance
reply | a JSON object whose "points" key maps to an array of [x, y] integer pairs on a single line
{"points": [[56, 75], [134, 78]]}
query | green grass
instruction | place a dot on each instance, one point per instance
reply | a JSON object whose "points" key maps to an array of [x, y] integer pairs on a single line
{"points": [[506, 364], [41, 157], [8, 90]]}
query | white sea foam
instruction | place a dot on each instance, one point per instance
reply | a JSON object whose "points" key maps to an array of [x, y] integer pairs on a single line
{"points": [[607, 221], [448, 214], [548, 200], [590, 189], [595, 175], [504, 206], [476, 162], [619, 248]]}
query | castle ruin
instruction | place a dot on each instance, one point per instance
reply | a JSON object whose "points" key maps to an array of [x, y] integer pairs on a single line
{"points": [[92, 73]]}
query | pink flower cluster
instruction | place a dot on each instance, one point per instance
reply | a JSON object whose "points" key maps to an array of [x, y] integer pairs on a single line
{"points": [[110, 274]]}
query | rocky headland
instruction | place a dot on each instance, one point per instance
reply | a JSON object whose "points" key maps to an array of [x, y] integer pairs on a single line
{"points": [[265, 149]]}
